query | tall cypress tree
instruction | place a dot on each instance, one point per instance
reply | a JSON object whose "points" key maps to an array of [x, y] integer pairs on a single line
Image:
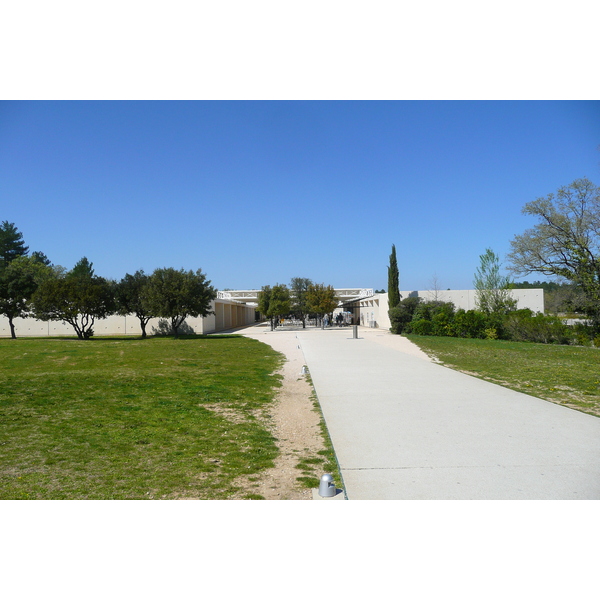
{"points": [[393, 280]]}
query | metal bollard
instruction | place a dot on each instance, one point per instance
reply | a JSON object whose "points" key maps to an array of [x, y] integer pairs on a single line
{"points": [[327, 487], [355, 335]]}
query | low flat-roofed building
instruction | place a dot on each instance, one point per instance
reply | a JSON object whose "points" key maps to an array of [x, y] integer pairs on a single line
{"points": [[237, 308], [228, 314], [372, 311]]}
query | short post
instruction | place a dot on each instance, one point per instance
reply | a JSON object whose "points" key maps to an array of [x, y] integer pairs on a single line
{"points": [[355, 333], [327, 487]]}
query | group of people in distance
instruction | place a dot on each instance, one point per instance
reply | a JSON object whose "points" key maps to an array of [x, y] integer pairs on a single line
{"points": [[341, 319]]}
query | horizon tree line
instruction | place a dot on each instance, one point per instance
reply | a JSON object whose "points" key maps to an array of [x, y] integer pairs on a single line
{"points": [[30, 286]]}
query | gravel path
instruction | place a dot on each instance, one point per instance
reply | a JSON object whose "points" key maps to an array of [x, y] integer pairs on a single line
{"points": [[296, 423]]}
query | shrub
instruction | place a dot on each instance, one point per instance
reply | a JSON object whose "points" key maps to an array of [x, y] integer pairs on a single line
{"points": [[422, 327], [442, 324], [438, 314], [584, 334], [524, 326], [422, 311], [491, 333], [582, 340], [401, 315], [470, 324]]}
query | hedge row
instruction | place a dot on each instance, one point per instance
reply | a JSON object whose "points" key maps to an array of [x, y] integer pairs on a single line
{"points": [[413, 315]]}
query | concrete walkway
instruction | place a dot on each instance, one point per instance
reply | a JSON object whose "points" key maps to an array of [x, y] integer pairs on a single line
{"points": [[404, 427]]}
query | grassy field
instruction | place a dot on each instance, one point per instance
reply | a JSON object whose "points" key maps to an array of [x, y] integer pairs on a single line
{"points": [[567, 375], [134, 419]]}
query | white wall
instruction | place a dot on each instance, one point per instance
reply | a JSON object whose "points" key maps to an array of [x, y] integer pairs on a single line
{"points": [[466, 299], [374, 310], [231, 314]]}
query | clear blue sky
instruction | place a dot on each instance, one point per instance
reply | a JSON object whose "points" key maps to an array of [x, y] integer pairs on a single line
{"points": [[258, 192]]}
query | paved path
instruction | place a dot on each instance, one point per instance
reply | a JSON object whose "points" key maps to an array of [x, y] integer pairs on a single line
{"points": [[404, 427]]}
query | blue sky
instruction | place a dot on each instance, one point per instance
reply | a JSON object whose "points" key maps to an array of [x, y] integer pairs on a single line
{"points": [[258, 192]]}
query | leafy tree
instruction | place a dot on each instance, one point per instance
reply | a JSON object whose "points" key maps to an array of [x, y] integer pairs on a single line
{"points": [[18, 282], [559, 297], [321, 299], [491, 288], [129, 295], [547, 286], [264, 299], [299, 290], [274, 302], [393, 280], [280, 302], [20, 274], [565, 242], [78, 298], [176, 295], [567, 298], [11, 244]]}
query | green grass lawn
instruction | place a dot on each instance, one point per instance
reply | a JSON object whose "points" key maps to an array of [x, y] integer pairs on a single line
{"points": [[567, 375], [134, 419]]}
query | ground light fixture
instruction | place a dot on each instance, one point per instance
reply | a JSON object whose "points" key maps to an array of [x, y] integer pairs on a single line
{"points": [[327, 487]]}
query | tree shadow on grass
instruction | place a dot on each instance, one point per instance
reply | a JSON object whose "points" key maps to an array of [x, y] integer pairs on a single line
{"points": [[138, 338]]}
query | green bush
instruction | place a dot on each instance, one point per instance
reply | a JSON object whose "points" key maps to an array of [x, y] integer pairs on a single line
{"points": [[491, 333], [422, 311], [442, 324], [438, 314], [470, 324], [402, 315], [523, 326], [422, 327], [497, 321], [440, 319], [584, 334]]}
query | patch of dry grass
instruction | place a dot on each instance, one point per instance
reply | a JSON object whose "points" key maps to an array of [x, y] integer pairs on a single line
{"points": [[133, 419]]}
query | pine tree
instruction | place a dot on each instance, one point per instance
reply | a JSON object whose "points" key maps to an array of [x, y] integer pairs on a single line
{"points": [[11, 244]]}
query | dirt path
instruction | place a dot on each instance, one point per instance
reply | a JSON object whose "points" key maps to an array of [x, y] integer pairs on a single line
{"points": [[295, 422]]}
